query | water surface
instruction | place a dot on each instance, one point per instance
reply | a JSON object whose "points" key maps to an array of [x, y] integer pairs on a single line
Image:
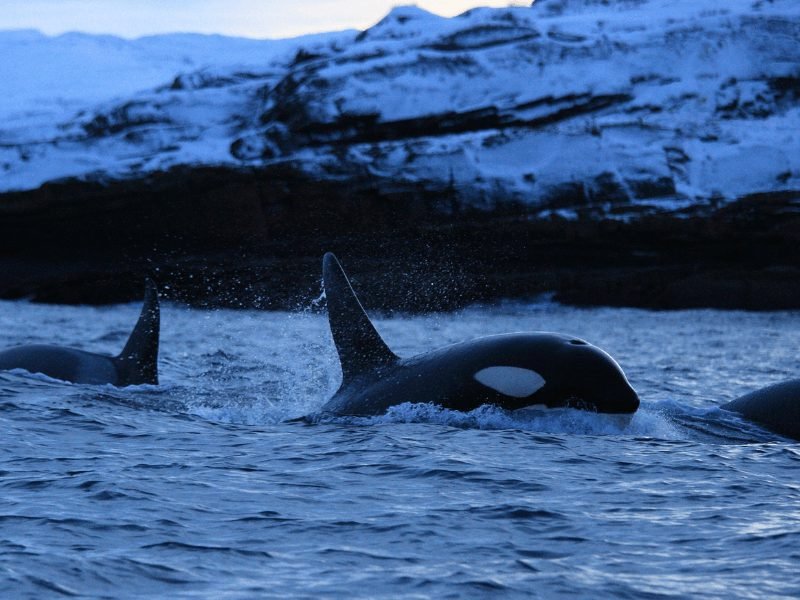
{"points": [[198, 488]]}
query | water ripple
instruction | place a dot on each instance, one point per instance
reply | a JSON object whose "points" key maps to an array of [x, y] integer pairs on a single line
{"points": [[198, 487]]}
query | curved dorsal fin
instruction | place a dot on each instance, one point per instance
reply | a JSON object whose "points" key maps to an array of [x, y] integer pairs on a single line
{"points": [[360, 347], [138, 361]]}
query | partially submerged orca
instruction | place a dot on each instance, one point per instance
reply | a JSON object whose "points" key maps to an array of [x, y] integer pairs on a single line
{"points": [[136, 364], [776, 407], [512, 371]]}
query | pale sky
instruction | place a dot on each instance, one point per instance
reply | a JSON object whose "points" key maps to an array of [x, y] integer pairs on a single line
{"points": [[249, 18]]}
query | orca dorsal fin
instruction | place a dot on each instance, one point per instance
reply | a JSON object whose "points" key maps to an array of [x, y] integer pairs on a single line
{"points": [[138, 361], [360, 347]]}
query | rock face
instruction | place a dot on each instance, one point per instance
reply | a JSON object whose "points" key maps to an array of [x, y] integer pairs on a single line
{"points": [[222, 237], [616, 108], [642, 152]]}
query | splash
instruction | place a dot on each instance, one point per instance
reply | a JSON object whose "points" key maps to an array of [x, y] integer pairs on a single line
{"points": [[644, 423]]}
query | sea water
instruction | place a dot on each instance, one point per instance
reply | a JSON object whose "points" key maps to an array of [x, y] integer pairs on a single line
{"points": [[198, 487]]}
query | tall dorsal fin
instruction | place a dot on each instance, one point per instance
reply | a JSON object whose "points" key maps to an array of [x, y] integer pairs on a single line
{"points": [[138, 361], [360, 347]]}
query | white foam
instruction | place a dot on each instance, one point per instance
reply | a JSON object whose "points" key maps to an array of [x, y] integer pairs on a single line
{"points": [[644, 423]]}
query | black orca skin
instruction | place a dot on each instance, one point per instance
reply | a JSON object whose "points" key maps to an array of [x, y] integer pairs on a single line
{"points": [[776, 407], [512, 371], [136, 364]]}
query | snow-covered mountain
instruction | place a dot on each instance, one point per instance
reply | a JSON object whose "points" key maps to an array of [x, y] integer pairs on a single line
{"points": [[631, 105]]}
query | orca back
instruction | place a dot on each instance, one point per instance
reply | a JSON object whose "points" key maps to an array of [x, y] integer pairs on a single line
{"points": [[66, 364], [776, 407]]}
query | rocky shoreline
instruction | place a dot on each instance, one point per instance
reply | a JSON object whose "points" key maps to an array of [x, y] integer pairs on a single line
{"points": [[253, 238], [621, 153]]}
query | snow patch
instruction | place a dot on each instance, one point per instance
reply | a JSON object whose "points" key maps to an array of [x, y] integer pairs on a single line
{"points": [[630, 106]]}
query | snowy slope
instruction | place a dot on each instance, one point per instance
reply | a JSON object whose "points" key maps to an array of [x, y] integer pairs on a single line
{"points": [[635, 105], [65, 98]]}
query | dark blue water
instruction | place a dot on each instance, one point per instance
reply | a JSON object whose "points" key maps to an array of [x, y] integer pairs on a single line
{"points": [[196, 488]]}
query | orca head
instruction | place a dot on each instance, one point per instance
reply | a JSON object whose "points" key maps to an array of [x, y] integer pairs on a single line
{"points": [[591, 379], [555, 371]]}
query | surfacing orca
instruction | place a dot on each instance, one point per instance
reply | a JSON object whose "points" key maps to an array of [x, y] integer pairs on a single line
{"points": [[512, 371], [136, 364], [776, 407]]}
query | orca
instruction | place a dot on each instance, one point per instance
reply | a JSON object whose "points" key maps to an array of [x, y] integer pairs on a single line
{"points": [[512, 371], [776, 407], [136, 364]]}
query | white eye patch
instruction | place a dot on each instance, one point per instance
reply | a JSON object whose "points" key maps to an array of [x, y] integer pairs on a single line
{"points": [[510, 381]]}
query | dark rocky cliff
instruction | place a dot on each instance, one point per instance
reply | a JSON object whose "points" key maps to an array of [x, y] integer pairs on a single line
{"points": [[217, 237], [642, 153]]}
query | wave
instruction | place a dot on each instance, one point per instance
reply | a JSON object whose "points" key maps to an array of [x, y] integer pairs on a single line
{"points": [[644, 423], [271, 399]]}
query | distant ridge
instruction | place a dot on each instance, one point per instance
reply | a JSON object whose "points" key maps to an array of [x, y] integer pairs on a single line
{"points": [[630, 107], [631, 153]]}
